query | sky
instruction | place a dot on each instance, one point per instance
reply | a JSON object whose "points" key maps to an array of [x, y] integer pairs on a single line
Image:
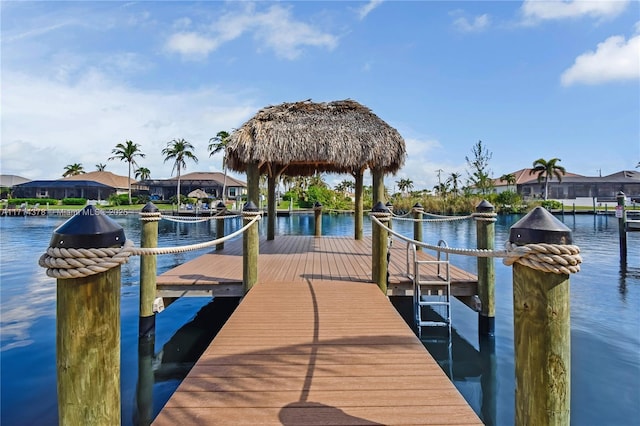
{"points": [[530, 79]]}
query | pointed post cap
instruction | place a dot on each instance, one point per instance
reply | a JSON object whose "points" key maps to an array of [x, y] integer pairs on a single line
{"points": [[150, 208], [220, 205], [317, 205], [89, 228], [540, 226], [249, 206], [484, 207], [380, 208], [417, 205]]}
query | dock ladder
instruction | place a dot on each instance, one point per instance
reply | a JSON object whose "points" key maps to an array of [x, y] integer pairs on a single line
{"points": [[431, 288]]}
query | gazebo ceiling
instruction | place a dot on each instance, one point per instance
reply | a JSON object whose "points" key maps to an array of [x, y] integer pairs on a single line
{"points": [[303, 138]]}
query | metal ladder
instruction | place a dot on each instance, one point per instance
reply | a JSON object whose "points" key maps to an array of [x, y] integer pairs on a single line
{"points": [[433, 292]]}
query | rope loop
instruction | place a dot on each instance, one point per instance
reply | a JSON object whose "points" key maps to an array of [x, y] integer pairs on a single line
{"points": [[554, 258], [78, 263], [485, 217], [150, 216]]}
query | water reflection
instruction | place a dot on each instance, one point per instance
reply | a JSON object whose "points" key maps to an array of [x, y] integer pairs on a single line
{"points": [[177, 356]]}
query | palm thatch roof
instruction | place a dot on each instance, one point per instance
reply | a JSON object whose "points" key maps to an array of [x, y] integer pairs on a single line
{"points": [[307, 137]]}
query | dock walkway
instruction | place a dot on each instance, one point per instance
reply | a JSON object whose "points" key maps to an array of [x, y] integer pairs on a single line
{"points": [[296, 258], [316, 352], [314, 342]]}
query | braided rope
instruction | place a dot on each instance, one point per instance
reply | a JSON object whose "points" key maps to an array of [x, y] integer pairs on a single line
{"points": [[555, 258], [439, 219], [150, 216], [78, 263], [186, 219]]}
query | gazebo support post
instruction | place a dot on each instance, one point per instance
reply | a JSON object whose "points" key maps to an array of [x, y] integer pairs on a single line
{"points": [[253, 182], [359, 207], [271, 206]]}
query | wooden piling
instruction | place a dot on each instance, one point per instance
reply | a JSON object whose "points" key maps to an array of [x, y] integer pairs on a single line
{"points": [[149, 217], [359, 219], [250, 247], [88, 349], [220, 223], [418, 212], [485, 236], [317, 212], [88, 326], [541, 328], [380, 248], [622, 226]]}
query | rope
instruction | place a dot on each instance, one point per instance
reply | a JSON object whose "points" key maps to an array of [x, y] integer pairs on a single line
{"points": [[78, 263], [187, 219], [555, 258]]}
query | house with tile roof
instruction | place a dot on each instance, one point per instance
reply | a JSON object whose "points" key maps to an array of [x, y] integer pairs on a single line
{"points": [[573, 186], [209, 182], [97, 185]]}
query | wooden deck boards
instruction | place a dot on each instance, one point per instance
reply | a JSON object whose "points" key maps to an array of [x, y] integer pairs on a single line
{"points": [[296, 258], [316, 352]]}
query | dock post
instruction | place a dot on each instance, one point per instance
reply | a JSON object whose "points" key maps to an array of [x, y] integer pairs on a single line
{"points": [[149, 216], [380, 248], [250, 247], [358, 232], [418, 212], [541, 308], [87, 321], [221, 209], [485, 218], [317, 212], [622, 226]]}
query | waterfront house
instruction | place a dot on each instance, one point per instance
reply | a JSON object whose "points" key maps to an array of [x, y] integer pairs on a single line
{"points": [[209, 182], [97, 185]]}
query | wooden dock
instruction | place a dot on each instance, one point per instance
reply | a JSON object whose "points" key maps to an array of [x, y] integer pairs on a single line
{"points": [[295, 259], [313, 343], [316, 353]]}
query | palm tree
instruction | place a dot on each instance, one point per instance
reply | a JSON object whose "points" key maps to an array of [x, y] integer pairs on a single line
{"points": [[547, 170], [179, 150], [127, 151], [454, 180], [405, 185], [217, 144], [101, 167], [73, 169], [510, 178], [142, 173]]}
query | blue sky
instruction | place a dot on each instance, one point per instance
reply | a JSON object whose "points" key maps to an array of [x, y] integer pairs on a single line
{"points": [[530, 79]]}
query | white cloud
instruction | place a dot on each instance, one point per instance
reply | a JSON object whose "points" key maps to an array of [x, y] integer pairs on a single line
{"points": [[191, 45], [479, 23], [48, 124], [538, 10], [367, 8], [614, 59], [275, 28]]}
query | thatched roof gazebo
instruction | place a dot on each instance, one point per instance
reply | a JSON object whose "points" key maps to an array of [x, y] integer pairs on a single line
{"points": [[303, 138]]}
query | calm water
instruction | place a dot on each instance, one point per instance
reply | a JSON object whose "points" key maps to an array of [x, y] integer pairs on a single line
{"points": [[605, 322]]}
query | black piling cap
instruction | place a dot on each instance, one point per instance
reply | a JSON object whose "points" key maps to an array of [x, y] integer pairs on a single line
{"points": [[317, 205], [417, 205], [89, 228], [380, 208], [249, 207], [389, 204], [150, 208], [540, 226], [220, 205], [485, 207]]}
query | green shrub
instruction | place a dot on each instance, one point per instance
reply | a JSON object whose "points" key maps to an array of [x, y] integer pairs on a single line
{"points": [[31, 201], [551, 204], [74, 201]]}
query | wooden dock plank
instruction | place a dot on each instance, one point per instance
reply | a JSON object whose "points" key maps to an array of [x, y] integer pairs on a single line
{"points": [[316, 352], [295, 258]]}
